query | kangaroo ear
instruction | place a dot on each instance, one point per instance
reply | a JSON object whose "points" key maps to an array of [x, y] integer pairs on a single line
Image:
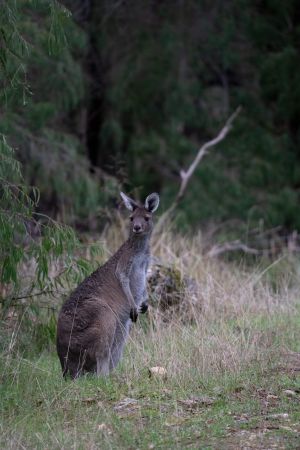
{"points": [[152, 202], [128, 202]]}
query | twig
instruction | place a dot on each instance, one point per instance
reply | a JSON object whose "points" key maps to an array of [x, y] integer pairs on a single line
{"points": [[33, 295], [39, 306]]}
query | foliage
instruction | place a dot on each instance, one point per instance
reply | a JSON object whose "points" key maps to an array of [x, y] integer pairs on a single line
{"points": [[140, 89], [43, 82], [184, 70], [31, 243]]}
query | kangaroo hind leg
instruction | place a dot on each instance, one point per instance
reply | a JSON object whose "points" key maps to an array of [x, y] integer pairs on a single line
{"points": [[103, 352], [102, 366]]}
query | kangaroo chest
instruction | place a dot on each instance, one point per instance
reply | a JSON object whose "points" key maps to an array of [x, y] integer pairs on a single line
{"points": [[138, 277]]}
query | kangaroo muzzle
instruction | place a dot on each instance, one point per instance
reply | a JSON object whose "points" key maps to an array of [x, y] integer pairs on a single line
{"points": [[137, 228]]}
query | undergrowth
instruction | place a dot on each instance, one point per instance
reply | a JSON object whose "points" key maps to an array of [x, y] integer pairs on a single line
{"points": [[232, 368]]}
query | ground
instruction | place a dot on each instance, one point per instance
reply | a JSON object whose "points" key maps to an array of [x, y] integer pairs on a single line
{"points": [[231, 352], [255, 408]]}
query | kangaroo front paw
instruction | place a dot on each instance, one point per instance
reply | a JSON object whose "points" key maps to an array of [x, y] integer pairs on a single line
{"points": [[143, 308], [133, 314]]}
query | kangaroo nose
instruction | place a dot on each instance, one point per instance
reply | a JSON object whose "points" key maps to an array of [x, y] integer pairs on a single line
{"points": [[137, 228]]}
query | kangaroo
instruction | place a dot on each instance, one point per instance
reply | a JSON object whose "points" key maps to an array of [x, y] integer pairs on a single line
{"points": [[94, 322]]}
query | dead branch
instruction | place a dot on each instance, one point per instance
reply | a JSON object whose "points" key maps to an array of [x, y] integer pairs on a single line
{"points": [[34, 294], [186, 175], [281, 244], [233, 246]]}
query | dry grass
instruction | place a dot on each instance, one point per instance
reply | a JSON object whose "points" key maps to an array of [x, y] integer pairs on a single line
{"points": [[239, 325], [239, 319]]}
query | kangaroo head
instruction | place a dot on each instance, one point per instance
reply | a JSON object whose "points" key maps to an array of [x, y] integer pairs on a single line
{"points": [[141, 221]]}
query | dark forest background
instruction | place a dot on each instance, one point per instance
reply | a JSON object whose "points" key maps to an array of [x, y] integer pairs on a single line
{"points": [[98, 95]]}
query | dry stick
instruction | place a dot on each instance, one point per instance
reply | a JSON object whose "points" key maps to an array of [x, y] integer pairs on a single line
{"points": [[231, 247], [34, 294], [186, 175]]}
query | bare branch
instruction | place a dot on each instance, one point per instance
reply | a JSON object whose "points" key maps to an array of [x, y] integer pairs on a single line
{"points": [[34, 294], [186, 175], [231, 247], [278, 245]]}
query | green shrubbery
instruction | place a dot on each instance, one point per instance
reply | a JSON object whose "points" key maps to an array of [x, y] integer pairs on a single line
{"points": [[161, 83], [40, 260], [43, 84]]}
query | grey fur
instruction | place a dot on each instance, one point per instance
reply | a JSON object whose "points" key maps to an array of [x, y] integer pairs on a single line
{"points": [[94, 322]]}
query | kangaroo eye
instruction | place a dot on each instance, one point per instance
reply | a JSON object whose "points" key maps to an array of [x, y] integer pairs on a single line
{"points": [[131, 219], [147, 218]]}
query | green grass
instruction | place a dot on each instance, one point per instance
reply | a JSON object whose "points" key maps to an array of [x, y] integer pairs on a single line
{"points": [[230, 355], [41, 410]]}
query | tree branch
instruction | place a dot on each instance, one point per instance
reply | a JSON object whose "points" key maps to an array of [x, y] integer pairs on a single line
{"points": [[233, 246], [34, 294], [186, 175]]}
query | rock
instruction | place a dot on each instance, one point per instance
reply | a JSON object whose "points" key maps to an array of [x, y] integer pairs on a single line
{"points": [[197, 402], [104, 428], [272, 397], [278, 416], [158, 372], [293, 430], [126, 407], [290, 393], [126, 403], [242, 418]]}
